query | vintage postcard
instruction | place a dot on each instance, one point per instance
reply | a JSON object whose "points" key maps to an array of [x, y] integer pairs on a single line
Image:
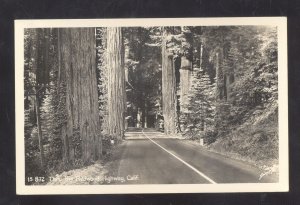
{"points": [[175, 105]]}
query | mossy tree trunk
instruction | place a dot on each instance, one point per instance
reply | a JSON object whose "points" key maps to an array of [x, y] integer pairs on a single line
{"points": [[116, 82], [81, 131]]}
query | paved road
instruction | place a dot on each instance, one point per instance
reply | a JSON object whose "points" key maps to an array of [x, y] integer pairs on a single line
{"points": [[150, 160]]}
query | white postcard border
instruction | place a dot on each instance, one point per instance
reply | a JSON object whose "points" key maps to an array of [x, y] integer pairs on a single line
{"points": [[281, 186]]}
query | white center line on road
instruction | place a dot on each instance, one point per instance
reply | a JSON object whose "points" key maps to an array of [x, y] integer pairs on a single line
{"points": [[184, 162]]}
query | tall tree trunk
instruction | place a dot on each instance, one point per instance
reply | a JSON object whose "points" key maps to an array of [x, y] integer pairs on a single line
{"points": [[139, 118], [58, 60], [168, 89], [225, 87], [146, 115], [46, 66], [228, 80], [185, 75], [219, 79], [78, 72], [201, 56], [35, 59], [116, 82], [39, 126], [186, 64]]}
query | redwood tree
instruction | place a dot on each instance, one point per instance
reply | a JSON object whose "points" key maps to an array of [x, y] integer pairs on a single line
{"points": [[81, 133], [186, 63], [116, 82], [168, 88]]}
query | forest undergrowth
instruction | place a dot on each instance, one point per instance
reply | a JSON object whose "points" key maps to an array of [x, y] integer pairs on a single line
{"points": [[255, 140]]}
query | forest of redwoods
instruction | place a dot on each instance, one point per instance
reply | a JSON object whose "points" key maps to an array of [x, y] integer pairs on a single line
{"points": [[86, 86]]}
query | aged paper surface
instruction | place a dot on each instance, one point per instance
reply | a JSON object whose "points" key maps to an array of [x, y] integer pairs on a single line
{"points": [[212, 186]]}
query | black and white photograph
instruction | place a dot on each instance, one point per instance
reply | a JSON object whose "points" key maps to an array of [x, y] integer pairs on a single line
{"points": [[183, 105]]}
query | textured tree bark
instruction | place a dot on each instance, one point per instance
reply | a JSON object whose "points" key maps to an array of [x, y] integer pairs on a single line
{"points": [[78, 72], [116, 82], [219, 79], [186, 65], [46, 67], [40, 135], [227, 86], [35, 57], [201, 56], [58, 60], [168, 89], [186, 68], [146, 115], [185, 75]]}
